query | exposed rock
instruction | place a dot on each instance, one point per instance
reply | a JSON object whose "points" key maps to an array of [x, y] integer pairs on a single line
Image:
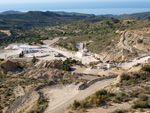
{"points": [[50, 64], [24, 103], [19, 91], [118, 80], [46, 70], [10, 66]]}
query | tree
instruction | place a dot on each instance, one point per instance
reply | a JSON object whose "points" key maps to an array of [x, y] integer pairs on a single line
{"points": [[21, 54], [34, 59]]}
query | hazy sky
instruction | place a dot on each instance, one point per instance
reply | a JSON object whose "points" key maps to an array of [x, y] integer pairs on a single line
{"points": [[56, 1], [84, 6]]}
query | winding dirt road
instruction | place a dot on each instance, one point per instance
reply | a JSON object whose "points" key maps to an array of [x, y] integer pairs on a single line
{"points": [[125, 41]]}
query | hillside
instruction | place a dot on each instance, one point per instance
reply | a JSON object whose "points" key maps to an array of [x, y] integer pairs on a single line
{"points": [[11, 12], [38, 18], [110, 39], [107, 38], [46, 70], [139, 16], [129, 93]]}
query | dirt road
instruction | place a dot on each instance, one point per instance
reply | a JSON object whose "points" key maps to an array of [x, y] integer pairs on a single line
{"points": [[125, 41], [66, 95], [134, 62]]}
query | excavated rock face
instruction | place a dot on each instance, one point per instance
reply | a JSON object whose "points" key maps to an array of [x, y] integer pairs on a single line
{"points": [[46, 70], [50, 64], [44, 73], [10, 66]]}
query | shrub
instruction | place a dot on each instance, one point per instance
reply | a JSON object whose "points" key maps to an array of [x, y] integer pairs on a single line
{"points": [[140, 41], [134, 94], [120, 111], [116, 20], [146, 68], [141, 104], [21, 54], [146, 87], [34, 59], [70, 61], [125, 76], [65, 68], [41, 101], [143, 97], [84, 104], [149, 18], [101, 92], [76, 104], [117, 99], [1, 59]]}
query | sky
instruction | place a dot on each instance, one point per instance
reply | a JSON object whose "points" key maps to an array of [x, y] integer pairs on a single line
{"points": [[56, 1], [83, 6]]}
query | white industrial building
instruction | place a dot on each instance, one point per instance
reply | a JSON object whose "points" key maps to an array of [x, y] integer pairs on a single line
{"points": [[82, 53], [23, 47]]}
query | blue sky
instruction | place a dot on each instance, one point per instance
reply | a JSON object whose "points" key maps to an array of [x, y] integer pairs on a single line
{"points": [[75, 5], [56, 1]]}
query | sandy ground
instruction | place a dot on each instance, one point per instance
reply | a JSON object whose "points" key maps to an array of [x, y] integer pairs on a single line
{"points": [[78, 69], [6, 32], [88, 77], [49, 51], [61, 98], [7, 53], [110, 109], [67, 54]]}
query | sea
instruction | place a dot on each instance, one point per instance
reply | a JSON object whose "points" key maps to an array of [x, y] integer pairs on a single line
{"points": [[103, 11], [99, 11]]}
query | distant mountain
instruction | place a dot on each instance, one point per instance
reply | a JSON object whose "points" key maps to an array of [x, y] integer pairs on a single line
{"points": [[39, 18], [139, 16], [11, 12], [71, 13]]}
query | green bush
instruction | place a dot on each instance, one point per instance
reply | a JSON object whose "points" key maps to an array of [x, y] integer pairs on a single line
{"points": [[34, 59], [101, 92], [146, 87], [1, 59], [134, 94], [125, 76], [141, 104], [76, 104], [41, 101], [117, 99], [65, 68], [143, 97], [140, 41]]}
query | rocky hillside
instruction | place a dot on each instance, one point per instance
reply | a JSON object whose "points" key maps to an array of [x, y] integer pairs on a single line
{"points": [[109, 39], [20, 88], [130, 93]]}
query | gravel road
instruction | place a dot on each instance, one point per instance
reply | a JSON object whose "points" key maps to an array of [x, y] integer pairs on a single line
{"points": [[67, 98]]}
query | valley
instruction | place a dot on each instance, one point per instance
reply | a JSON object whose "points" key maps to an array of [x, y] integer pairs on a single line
{"points": [[57, 63]]}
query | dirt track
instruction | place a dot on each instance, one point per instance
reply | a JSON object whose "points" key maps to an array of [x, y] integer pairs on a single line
{"points": [[61, 98]]}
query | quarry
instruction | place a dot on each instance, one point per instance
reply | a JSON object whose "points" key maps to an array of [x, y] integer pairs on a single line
{"points": [[74, 63]]}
